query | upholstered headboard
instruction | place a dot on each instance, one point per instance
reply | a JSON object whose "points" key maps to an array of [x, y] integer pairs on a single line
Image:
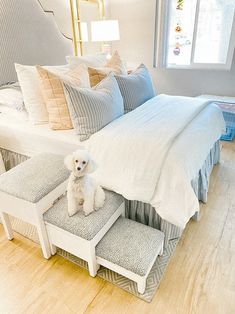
{"points": [[30, 36]]}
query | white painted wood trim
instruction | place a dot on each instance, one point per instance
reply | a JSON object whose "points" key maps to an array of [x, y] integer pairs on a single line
{"points": [[67, 241], [17, 207], [31, 213], [122, 271], [50, 198], [161, 32], [72, 244], [23, 209], [140, 280], [92, 263], [82, 248], [119, 212], [7, 225], [161, 41], [195, 28]]}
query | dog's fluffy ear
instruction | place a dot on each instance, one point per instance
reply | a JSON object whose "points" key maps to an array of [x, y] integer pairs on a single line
{"points": [[91, 166], [68, 161]]}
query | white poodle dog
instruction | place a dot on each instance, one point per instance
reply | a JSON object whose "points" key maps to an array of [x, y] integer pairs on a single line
{"points": [[83, 192]]}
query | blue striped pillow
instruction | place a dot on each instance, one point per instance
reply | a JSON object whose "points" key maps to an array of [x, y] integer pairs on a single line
{"points": [[136, 88], [92, 109]]}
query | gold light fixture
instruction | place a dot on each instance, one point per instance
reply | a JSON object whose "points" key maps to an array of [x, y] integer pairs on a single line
{"points": [[77, 26]]}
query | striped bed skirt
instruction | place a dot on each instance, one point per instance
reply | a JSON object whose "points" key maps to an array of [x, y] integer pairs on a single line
{"points": [[142, 212]]}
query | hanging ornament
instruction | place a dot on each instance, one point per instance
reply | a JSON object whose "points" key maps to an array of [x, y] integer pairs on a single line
{"points": [[178, 28], [180, 5], [176, 51], [177, 45]]}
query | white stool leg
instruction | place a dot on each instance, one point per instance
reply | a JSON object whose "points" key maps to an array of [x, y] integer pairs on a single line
{"points": [[42, 234], [43, 241], [92, 263], [141, 286], [123, 210], [53, 249], [7, 225]]}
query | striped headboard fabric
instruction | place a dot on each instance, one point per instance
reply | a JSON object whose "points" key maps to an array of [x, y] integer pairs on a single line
{"points": [[29, 36]]}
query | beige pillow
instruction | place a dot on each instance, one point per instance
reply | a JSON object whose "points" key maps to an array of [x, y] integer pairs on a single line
{"points": [[29, 81], [54, 97], [78, 76], [96, 75], [115, 65]]}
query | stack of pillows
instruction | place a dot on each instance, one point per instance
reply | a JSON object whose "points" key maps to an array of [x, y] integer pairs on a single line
{"points": [[86, 94]]}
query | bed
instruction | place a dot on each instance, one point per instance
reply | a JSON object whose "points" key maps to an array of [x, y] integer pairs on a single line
{"points": [[20, 140]]}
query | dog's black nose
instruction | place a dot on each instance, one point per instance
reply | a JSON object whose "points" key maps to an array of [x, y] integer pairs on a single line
{"points": [[78, 168]]}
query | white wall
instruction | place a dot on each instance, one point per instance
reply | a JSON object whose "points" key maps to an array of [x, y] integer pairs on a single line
{"points": [[137, 18]]}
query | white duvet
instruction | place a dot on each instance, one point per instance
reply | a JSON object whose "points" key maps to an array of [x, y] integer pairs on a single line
{"points": [[152, 153]]}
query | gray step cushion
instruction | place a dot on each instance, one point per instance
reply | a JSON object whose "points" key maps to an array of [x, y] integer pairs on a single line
{"points": [[130, 245], [79, 224], [35, 178]]}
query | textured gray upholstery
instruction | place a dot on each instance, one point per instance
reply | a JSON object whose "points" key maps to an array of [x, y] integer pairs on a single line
{"points": [[130, 245], [35, 178], [29, 36], [84, 227]]}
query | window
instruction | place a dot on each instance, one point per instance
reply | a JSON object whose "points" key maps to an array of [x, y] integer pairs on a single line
{"points": [[197, 33]]}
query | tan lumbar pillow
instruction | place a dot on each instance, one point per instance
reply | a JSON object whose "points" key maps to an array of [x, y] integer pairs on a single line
{"points": [[115, 65], [54, 97], [97, 75]]}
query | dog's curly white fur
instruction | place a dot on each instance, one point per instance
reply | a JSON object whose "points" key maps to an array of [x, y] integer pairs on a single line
{"points": [[83, 191]]}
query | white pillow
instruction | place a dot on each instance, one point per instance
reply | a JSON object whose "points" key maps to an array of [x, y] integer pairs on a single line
{"points": [[29, 81], [58, 69], [30, 85], [12, 98], [98, 60], [14, 114]]}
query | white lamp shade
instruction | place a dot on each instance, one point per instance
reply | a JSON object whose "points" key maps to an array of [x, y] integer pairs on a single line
{"points": [[84, 32], [105, 30]]}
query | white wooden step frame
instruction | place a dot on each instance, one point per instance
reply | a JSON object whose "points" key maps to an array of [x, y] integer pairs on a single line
{"points": [[84, 249], [140, 280], [31, 213]]}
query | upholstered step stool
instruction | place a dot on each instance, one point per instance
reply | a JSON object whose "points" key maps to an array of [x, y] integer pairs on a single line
{"points": [[130, 249], [29, 189], [78, 234]]}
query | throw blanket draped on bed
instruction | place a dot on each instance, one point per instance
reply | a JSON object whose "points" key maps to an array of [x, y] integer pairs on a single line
{"points": [[152, 153]]}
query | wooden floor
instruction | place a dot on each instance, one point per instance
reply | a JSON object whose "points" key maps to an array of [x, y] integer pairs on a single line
{"points": [[200, 277]]}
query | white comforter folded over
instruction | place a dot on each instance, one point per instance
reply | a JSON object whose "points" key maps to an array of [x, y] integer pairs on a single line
{"points": [[152, 153]]}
